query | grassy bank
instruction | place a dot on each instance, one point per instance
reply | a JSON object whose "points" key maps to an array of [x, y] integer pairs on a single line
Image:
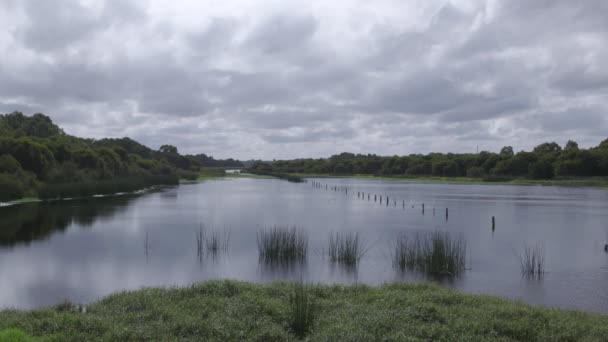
{"points": [[571, 182], [235, 311]]}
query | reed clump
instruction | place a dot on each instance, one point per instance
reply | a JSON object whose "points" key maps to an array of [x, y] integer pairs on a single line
{"points": [[532, 261], [212, 241], [436, 253], [345, 248], [302, 309], [282, 244]]}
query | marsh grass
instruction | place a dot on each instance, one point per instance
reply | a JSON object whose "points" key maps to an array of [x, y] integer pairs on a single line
{"points": [[532, 261], [212, 241], [345, 248], [436, 253], [302, 309], [102, 187], [238, 311], [282, 245]]}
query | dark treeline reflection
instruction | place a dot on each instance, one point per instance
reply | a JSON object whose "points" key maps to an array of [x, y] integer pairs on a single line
{"points": [[38, 221]]}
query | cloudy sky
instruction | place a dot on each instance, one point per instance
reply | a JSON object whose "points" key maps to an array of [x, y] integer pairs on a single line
{"points": [[285, 79]]}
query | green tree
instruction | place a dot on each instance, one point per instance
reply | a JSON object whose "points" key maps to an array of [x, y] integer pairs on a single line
{"points": [[168, 149]]}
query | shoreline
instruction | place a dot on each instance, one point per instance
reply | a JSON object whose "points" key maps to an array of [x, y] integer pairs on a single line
{"points": [[227, 310], [572, 183]]}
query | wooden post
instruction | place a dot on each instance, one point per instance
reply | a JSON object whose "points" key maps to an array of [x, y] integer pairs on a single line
{"points": [[493, 223]]}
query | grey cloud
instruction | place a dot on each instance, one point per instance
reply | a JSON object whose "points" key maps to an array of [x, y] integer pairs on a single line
{"points": [[244, 84], [57, 24], [280, 34]]}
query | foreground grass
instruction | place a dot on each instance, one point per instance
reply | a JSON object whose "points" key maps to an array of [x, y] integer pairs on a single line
{"points": [[570, 182], [235, 311]]}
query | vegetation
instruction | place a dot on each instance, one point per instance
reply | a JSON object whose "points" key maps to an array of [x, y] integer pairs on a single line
{"points": [[436, 253], [302, 309], [284, 176], [214, 240], [345, 248], [533, 261], [280, 245], [14, 335], [37, 159], [546, 162], [236, 311], [209, 161]]}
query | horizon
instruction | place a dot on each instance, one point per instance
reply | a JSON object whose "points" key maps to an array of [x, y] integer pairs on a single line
{"points": [[275, 81]]}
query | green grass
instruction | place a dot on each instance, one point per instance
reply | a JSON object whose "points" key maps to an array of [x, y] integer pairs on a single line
{"points": [[14, 335], [437, 253], [235, 311], [206, 176], [282, 245]]}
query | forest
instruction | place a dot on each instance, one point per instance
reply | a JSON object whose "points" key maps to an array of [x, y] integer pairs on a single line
{"points": [[38, 159], [546, 161]]}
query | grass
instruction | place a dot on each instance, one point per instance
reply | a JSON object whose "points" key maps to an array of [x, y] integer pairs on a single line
{"points": [[236, 311], [14, 335], [436, 253], [533, 261], [302, 309], [282, 245], [345, 248]]}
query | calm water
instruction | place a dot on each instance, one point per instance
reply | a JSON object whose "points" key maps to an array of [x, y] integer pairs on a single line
{"points": [[84, 250]]}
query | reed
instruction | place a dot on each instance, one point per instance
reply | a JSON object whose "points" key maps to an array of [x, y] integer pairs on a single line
{"points": [[532, 261], [302, 311], [345, 248], [282, 244], [217, 241], [436, 253], [211, 241]]}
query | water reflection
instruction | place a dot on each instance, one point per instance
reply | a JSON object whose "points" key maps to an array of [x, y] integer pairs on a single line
{"points": [[22, 224]]}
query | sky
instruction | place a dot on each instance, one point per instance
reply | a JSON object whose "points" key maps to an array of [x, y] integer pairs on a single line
{"points": [[291, 79]]}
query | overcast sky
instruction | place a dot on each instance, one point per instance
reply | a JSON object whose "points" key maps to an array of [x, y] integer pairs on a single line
{"points": [[286, 79]]}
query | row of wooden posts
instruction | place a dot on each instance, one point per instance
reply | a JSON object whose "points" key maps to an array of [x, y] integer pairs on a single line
{"points": [[377, 198], [362, 195]]}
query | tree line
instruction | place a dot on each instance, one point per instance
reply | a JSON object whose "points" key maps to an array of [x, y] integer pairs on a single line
{"points": [[546, 161], [38, 159]]}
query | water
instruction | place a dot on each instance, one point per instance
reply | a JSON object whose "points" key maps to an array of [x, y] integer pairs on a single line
{"points": [[84, 250]]}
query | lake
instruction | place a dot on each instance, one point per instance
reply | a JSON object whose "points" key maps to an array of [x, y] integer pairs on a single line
{"points": [[82, 250]]}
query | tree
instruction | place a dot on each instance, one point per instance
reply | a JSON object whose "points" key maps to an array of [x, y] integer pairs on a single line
{"points": [[571, 146], [541, 169], [507, 151], [8, 164], [547, 148], [168, 149], [32, 156]]}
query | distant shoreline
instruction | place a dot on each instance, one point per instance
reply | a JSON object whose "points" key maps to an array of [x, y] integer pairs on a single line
{"points": [[599, 183]]}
